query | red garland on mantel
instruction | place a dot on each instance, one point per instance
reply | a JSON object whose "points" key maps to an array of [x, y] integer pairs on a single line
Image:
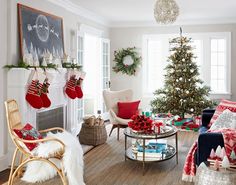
{"points": [[140, 123]]}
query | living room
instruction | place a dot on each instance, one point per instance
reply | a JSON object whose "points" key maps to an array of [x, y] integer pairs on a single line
{"points": [[130, 49]]}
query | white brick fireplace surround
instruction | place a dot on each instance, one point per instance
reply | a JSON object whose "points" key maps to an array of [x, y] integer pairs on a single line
{"points": [[17, 84]]}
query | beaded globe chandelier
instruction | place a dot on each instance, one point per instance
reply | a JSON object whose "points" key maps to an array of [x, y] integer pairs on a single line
{"points": [[166, 11]]}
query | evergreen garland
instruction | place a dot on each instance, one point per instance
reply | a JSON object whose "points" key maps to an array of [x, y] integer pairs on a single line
{"points": [[71, 66], [120, 66], [22, 64], [183, 92]]}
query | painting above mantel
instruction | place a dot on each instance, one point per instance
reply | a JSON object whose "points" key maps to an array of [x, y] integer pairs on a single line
{"points": [[41, 34]]}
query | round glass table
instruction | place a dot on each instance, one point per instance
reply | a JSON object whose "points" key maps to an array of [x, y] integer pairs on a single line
{"points": [[147, 148]]}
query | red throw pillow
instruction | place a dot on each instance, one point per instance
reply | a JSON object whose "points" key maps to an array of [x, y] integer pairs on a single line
{"points": [[127, 109], [224, 104], [28, 132]]}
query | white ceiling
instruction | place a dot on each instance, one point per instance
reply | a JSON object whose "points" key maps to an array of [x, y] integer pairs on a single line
{"points": [[128, 12]]}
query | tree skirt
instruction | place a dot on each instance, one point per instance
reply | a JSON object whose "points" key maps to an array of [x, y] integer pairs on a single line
{"points": [[186, 124]]}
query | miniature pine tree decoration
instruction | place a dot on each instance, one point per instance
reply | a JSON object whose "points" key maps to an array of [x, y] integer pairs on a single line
{"points": [[225, 162], [183, 92], [212, 154], [232, 155]]}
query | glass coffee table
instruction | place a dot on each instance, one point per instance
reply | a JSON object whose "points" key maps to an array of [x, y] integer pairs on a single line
{"points": [[146, 148]]}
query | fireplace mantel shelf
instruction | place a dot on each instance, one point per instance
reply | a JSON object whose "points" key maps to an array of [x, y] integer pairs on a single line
{"points": [[18, 80]]}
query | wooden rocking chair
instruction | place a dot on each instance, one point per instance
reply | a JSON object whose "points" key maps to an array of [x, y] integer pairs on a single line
{"points": [[14, 122]]}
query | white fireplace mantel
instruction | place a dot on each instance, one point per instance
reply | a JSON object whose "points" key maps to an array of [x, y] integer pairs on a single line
{"points": [[18, 81]]}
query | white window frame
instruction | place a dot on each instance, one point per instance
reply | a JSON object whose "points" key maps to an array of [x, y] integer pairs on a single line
{"points": [[80, 109], [107, 55], [206, 55], [87, 29]]}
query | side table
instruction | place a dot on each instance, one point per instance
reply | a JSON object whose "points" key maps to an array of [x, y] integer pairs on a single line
{"points": [[169, 152]]}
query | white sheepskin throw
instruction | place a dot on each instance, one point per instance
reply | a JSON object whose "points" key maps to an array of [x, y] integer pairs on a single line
{"points": [[39, 171]]}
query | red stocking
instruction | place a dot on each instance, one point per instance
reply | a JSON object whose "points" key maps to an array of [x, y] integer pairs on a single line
{"points": [[70, 87], [46, 101], [44, 96], [78, 89], [33, 93]]}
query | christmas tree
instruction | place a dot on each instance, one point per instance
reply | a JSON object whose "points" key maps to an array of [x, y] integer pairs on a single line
{"points": [[183, 92]]}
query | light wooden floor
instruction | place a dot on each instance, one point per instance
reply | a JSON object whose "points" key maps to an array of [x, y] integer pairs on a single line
{"points": [[105, 165]]}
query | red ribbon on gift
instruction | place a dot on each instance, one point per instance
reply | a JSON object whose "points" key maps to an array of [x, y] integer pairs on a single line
{"points": [[158, 125]]}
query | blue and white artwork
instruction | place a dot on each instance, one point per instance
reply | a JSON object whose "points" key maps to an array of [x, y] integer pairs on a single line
{"points": [[40, 33]]}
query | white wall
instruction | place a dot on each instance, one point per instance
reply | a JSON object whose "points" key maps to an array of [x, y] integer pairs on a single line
{"points": [[70, 22], [3, 61], [132, 36], [9, 46]]}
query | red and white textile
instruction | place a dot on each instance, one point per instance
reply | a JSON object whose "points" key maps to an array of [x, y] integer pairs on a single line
{"points": [[189, 170]]}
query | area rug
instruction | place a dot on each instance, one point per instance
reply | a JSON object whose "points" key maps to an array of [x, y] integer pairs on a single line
{"points": [[106, 165]]}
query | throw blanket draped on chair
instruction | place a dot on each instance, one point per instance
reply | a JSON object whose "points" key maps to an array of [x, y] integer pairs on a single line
{"points": [[38, 171], [189, 170]]}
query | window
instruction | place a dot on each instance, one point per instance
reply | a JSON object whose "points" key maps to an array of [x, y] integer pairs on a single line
{"points": [[213, 58], [80, 58], [155, 57], [156, 53], [218, 65], [105, 68]]}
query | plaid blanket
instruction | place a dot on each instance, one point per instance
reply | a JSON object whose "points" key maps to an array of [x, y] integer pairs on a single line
{"points": [[189, 170]]}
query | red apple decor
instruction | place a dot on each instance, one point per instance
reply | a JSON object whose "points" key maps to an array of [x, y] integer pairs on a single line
{"points": [[141, 123]]}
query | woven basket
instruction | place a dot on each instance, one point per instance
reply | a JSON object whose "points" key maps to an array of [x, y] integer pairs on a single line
{"points": [[93, 135]]}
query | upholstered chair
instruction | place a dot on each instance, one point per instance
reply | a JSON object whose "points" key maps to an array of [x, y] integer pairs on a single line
{"points": [[111, 98]]}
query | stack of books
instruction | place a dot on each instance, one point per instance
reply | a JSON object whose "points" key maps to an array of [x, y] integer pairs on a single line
{"points": [[153, 149]]}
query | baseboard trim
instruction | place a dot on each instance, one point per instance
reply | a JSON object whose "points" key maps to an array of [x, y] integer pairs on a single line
{"points": [[4, 163]]}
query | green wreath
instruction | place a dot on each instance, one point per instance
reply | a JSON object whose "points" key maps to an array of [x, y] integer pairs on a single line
{"points": [[131, 62]]}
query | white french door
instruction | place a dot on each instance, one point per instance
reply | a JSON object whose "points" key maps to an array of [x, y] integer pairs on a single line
{"points": [[80, 59], [105, 43], [94, 55]]}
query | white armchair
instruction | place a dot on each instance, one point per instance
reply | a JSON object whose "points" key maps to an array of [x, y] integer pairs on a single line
{"points": [[111, 98]]}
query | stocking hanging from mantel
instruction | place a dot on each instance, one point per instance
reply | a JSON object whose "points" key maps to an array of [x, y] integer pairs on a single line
{"points": [[70, 85], [78, 87], [34, 90], [73, 86], [44, 94]]}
